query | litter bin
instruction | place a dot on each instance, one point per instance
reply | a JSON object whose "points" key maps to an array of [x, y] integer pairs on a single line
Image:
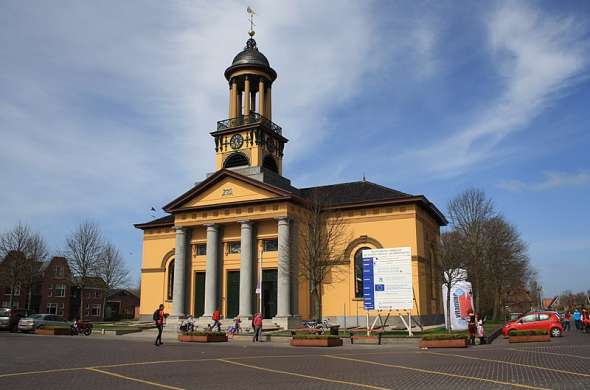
{"points": [[334, 330]]}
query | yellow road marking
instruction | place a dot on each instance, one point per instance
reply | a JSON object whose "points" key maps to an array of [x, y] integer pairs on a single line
{"points": [[305, 376], [512, 364], [134, 379], [422, 370], [550, 353], [56, 370], [41, 372]]}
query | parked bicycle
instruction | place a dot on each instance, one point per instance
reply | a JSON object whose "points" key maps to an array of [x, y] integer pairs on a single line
{"points": [[322, 326]]}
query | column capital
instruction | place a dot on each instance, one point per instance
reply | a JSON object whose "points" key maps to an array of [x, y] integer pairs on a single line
{"points": [[212, 226], [283, 219], [181, 229], [246, 222]]}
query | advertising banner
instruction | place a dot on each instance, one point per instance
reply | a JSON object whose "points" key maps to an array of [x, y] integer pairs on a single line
{"points": [[461, 304], [387, 279]]}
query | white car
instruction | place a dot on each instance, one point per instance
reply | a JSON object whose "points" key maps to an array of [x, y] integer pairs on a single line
{"points": [[29, 324]]}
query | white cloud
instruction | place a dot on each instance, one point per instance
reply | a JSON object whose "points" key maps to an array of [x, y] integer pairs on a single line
{"points": [[537, 56], [552, 180]]}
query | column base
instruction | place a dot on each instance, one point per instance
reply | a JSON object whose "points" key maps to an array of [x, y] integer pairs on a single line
{"points": [[287, 322]]}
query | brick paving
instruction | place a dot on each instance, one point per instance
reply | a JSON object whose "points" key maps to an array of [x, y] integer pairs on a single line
{"points": [[134, 363]]}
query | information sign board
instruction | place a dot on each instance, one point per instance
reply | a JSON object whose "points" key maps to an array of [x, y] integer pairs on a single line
{"points": [[387, 279]]}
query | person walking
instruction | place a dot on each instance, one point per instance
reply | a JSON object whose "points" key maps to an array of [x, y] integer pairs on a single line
{"points": [[577, 318], [257, 326], [472, 327], [216, 317], [159, 320], [567, 317], [480, 330]]}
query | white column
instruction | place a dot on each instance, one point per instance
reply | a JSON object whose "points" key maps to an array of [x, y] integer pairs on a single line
{"points": [[284, 270], [181, 265], [246, 269], [211, 272]]}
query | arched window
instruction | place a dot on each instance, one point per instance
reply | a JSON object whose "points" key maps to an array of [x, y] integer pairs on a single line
{"points": [[358, 272], [235, 160], [270, 163], [170, 289]]}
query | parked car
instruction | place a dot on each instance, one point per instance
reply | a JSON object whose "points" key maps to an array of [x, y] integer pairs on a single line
{"points": [[35, 321], [540, 320], [9, 318]]}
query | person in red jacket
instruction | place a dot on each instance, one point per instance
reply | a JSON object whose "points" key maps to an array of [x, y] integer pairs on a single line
{"points": [[257, 325], [159, 320], [216, 317]]}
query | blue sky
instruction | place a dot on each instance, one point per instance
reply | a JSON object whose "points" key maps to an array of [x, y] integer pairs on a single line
{"points": [[106, 108]]}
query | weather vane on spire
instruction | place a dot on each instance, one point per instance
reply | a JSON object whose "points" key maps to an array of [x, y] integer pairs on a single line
{"points": [[251, 17]]}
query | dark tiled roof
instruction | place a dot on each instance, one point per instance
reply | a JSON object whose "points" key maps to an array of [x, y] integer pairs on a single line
{"points": [[168, 220], [355, 192]]}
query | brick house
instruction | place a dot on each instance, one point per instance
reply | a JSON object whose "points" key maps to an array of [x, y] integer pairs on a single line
{"points": [[121, 304], [56, 288], [92, 299], [25, 295]]}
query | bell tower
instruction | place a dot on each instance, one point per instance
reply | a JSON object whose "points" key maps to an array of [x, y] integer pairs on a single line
{"points": [[249, 138]]}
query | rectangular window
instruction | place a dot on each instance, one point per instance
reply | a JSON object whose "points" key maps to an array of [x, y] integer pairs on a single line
{"points": [[60, 309], [201, 249], [52, 308], [59, 290], [271, 245], [95, 311], [17, 289], [233, 247], [97, 293], [87, 311], [58, 271], [50, 291]]}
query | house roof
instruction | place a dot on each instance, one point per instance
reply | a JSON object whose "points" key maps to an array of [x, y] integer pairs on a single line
{"points": [[122, 291]]}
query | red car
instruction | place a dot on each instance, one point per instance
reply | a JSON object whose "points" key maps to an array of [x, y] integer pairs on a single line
{"points": [[542, 320]]}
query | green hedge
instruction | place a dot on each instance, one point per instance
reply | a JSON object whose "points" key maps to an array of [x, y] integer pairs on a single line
{"points": [[307, 336], [448, 336], [201, 333], [532, 332]]}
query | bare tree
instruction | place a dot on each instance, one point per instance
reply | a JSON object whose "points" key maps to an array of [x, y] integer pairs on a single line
{"points": [[452, 263], [468, 214], [21, 250], [111, 269], [84, 248], [506, 262], [323, 241]]}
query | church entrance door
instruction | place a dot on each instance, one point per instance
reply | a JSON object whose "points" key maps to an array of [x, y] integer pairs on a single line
{"points": [[233, 294], [269, 293], [199, 294]]}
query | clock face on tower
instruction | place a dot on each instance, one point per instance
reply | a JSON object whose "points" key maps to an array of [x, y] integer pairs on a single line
{"points": [[236, 141]]}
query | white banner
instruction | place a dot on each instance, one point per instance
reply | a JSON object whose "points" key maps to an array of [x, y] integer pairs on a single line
{"points": [[387, 277], [461, 304]]}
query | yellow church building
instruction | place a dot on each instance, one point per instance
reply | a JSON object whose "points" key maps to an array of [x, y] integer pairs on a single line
{"points": [[231, 241]]}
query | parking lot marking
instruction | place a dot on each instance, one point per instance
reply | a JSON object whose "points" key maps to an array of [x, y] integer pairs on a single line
{"points": [[134, 379], [550, 353], [41, 372], [442, 373], [512, 364], [363, 385]]}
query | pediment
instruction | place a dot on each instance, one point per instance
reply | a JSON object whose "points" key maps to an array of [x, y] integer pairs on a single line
{"points": [[225, 187], [229, 190]]}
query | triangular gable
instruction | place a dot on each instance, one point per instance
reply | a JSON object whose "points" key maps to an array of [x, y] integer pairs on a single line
{"points": [[225, 187]]}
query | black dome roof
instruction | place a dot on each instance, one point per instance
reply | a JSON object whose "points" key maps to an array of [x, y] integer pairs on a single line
{"points": [[250, 57]]}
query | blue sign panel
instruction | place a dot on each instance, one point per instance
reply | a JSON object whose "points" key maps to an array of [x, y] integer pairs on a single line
{"points": [[368, 290]]}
